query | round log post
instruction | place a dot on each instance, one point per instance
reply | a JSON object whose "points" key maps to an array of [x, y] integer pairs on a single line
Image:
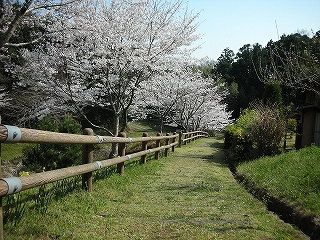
{"points": [[87, 157], [1, 211], [173, 141], [185, 139], [121, 152], [167, 143], [180, 139], [158, 144], [144, 147]]}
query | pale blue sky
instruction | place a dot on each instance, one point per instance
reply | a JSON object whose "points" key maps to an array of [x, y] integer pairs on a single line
{"points": [[233, 23]]}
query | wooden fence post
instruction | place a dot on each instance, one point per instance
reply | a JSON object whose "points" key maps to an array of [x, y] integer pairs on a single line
{"points": [[167, 149], [173, 141], [156, 154], [180, 139], [121, 152], [87, 157], [1, 210], [143, 148], [185, 137]]}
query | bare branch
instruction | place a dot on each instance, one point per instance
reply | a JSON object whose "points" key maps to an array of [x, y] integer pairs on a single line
{"points": [[19, 15], [15, 22], [25, 43], [96, 126], [46, 6]]}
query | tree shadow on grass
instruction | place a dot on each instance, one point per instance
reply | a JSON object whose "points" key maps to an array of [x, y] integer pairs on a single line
{"points": [[218, 156]]}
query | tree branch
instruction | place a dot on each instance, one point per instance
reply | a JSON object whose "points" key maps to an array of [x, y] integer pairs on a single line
{"points": [[4, 40], [50, 5], [13, 25], [95, 126], [24, 44]]}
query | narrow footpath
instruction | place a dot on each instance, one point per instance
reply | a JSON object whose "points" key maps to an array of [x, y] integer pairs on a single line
{"points": [[193, 195], [189, 195]]}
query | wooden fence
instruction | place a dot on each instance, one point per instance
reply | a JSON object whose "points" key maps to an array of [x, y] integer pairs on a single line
{"points": [[12, 134]]}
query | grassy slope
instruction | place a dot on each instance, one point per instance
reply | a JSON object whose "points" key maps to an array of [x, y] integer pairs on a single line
{"points": [[11, 151], [136, 129], [189, 195], [293, 176]]}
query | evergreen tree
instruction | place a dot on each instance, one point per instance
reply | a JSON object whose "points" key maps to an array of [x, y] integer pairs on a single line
{"points": [[272, 94]]}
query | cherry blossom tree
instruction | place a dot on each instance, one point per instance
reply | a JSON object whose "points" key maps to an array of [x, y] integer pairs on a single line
{"points": [[114, 47], [200, 105], [31, 13], [158, 98], [187, 99], [23, 24], [102, 55]]}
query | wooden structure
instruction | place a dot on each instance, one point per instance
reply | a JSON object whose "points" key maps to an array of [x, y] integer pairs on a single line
{"points": [[308, 127], [12, 134]]}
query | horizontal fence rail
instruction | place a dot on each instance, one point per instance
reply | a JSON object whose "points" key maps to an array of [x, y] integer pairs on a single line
{"points": [[13, 134], [17, 184]]}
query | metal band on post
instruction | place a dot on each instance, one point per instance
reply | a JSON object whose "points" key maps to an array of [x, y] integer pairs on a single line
{"points": [[99, 164], [14, 184], [10, 134], [100, 139]]}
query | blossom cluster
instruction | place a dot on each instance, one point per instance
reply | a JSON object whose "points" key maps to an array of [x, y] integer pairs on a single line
{"points": [[116, 55]]}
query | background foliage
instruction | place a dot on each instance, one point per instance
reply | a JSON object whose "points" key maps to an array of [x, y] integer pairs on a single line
{"points": [[51, 156], [258, 132]]}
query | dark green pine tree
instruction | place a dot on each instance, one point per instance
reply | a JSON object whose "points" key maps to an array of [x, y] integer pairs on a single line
{"points": [[272, 94]]}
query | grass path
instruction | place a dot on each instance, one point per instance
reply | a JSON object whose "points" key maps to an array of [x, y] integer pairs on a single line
{"points": [[189, 195]]}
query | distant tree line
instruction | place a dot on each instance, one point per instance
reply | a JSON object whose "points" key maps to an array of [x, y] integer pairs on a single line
{"points": [[263, 84], [272, 73]]}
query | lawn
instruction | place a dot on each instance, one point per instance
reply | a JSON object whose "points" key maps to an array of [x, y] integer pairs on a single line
{"points": [[292, 176], [11, 151], [189, 195]]}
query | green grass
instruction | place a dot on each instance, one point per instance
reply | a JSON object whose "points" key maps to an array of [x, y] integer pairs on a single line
{"points": [[11, 151], [291, 138], [189, 195], [292, 176], [136, 129]]}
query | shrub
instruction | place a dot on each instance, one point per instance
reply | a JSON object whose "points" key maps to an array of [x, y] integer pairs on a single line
{"points": [[267, 130], [52, 156], [237, 136], [257, 132], [292, 125]]}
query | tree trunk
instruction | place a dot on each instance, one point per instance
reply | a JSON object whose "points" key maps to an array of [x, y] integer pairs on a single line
{"points": [[124, 121], [160, 124], [14, 23], [115, 131]]}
